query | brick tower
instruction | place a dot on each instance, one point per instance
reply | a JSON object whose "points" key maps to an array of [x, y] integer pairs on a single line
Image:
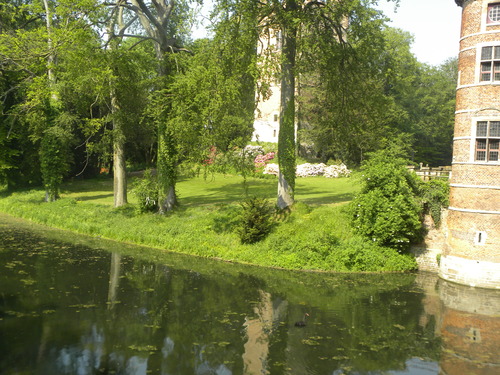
{"points": [[472, 253]]}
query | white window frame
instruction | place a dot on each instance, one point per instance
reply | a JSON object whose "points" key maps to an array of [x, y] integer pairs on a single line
{"points": [[479, 50], [488, 20], [474, 138]]}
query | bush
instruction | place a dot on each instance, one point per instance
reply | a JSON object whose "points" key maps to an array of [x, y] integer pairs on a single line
{"points": [[146, 190], [255, 221], [54, 160], [359, 255], [435, 196], [387, 210]]}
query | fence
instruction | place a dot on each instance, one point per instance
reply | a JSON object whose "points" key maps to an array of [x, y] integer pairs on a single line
{"points": [[429, 173]]}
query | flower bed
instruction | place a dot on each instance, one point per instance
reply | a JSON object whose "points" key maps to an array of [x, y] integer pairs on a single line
{"points": [[309, 170]]}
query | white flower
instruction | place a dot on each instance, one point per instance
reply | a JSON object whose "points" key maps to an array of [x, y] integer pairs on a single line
{"points": [[308, 170]]}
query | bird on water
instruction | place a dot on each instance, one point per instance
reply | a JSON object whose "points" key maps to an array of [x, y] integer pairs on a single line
{"points": [[302, 323]]}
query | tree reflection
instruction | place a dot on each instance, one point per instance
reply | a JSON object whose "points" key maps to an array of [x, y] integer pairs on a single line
{"points": [[82, 311]]}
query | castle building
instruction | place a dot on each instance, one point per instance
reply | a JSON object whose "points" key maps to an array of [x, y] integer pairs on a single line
{"points": [[472, 252], [266, 121]]}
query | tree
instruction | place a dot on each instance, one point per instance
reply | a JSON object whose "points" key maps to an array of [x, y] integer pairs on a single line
{"points": [[373, 93], [387, 210], [433, 121], [343, 109], [119, 61], [212, 98], [160, 21], [31, 52], [305, 27]]}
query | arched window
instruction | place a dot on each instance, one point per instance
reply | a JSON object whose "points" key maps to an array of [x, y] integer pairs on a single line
{"points": [[494, 13]]}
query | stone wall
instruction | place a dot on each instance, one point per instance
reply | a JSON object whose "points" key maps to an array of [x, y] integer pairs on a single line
{"points": [[428, 253]]}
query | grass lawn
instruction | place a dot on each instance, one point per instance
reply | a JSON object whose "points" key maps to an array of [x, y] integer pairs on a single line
{"points": [[223, 189], [314, 236]]}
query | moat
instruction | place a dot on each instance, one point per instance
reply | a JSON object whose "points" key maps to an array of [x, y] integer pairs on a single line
{"points": [[79, 305]]}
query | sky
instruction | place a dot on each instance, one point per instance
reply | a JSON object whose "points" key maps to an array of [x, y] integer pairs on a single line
{"points": [[434, 24]]}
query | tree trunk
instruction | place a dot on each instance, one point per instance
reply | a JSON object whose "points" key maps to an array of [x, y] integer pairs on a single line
{"points": [[119, 161], [286, 137], [166, 164], [51, 194], [167, 170], [119, 172]]}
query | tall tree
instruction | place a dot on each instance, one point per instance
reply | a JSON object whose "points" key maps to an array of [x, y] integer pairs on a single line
{"points": [[305, 29], [286, 137], [32, 52], [158, 19], [212, 100]]}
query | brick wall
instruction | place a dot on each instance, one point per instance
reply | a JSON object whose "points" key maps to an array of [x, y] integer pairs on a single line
{"points": [[471, 252]]}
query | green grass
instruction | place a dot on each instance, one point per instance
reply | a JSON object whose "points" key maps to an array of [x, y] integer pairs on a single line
{"points": [[220, 189], [314, 236]]}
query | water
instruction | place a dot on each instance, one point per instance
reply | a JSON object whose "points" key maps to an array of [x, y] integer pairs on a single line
{"points": [[78, 305]]}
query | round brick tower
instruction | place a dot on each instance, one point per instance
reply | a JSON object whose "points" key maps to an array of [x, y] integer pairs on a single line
{"points": [[472, 253]]}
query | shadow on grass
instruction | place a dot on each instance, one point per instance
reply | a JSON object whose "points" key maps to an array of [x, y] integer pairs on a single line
{"points": [[93, 197], [236, 192], [230, 193], [82, 185], [325, 200]]}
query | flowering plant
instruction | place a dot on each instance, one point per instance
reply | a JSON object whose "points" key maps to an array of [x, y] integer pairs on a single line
{"points": [[260, 161], [309, 170], [212, 154]]}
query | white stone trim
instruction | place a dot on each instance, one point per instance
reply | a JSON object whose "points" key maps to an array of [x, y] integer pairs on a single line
{"points": [[467, 49], [479, 84], [475, 273], [479, 34], [474, 163], [475, 186], [465, 111], [474, 211]]}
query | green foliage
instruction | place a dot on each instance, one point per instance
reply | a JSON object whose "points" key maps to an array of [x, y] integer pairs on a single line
{"points": [[359, 255], [54, 160], [308, 237], [387, 210], [321, 238], [146, 191], [339, 77], [255, 220], [435, 196], [401, 97]]}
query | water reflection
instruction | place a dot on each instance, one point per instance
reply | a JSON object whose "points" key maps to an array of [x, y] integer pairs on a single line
{"points": [[470, 330], [74, 309]]}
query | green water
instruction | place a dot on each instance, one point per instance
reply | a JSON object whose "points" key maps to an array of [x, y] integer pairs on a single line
{"points": [[77, 305]]}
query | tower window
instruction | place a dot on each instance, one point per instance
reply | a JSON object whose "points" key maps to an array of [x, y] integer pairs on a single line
{"points": [[487, 141], [494, 13], [490, 64]]}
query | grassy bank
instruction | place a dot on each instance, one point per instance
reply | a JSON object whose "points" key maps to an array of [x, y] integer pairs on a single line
{"points": [[315, 236]]}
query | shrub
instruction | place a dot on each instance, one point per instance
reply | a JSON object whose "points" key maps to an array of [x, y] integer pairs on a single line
{"points": [[54, 160], [255, 221], [435, 196], [260, 161], [146, 190], [387, 210], [359, 255]]}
